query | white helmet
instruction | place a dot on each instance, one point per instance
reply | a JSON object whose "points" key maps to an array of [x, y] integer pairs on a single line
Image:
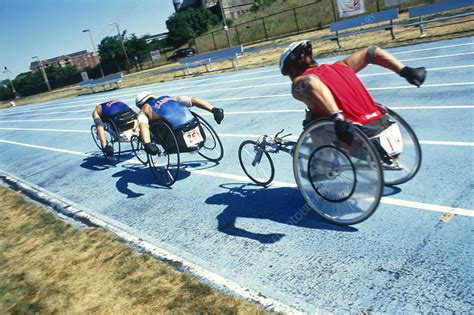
{"points": [[292, 52], [142, 97]]}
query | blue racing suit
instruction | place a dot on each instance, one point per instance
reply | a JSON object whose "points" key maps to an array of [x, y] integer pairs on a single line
{"points": [[175, 113]]}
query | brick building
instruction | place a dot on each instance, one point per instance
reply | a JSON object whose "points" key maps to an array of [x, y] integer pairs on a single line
{"points": [[80, 60], [232, 8]]}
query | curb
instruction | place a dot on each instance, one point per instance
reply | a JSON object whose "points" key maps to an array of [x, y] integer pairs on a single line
{"points": [[76, 212]]}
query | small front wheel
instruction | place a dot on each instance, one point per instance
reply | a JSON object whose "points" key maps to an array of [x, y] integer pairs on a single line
{"points": [[256, 163]]}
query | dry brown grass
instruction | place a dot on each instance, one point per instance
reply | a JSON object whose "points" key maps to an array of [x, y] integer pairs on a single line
{"points": [[48, 266], [404, 36]]}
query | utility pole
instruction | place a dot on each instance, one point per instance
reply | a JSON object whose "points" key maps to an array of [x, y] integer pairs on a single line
{"points": [[123, 45], [45, 77], [226, 28], [94, 51], [8, 72]]}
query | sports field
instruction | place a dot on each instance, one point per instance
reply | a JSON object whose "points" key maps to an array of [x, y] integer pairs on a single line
{"points": [[413, 255]]}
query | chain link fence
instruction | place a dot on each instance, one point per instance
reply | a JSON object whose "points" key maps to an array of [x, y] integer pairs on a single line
{"points": [[305, 18]]}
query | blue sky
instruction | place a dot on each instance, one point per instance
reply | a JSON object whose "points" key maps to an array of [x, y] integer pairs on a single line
{"points": [[49, 28]]}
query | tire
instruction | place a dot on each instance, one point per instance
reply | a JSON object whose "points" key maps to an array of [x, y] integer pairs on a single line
{"points": [[112, 137], [139, 149], [212, 148], [165, 164], [248, 151], [409, 161], [341, 184]]}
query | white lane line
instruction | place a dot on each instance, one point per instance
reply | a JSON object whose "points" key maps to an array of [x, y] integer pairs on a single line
{"points": [[232, 135], [44, 148], [450, 143], [432, 48], [438, 57], [424, 86], [270, 111], [47, 130], [385, 200]]}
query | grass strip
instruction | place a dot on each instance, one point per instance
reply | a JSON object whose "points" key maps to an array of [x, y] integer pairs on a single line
{"points": [[49, 266]]}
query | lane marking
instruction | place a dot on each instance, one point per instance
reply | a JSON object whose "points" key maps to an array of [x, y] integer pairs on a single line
{"points": [[45, 148], [432, 48], [270, 111], [231, 135], [437, 57], [384, 200]]}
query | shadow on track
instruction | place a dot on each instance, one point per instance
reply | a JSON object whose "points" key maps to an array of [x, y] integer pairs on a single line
{"points": [[282, 205], [391, 191]]}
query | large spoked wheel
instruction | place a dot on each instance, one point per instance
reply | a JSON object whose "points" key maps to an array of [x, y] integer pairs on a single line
{"points": [[405, 166], [212, 148], [138, 149], [256, 163], [342, 184], [165, 164], [112, 137]]}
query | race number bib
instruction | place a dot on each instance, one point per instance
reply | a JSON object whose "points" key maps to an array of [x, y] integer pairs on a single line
{"points": [[193, 137], [391, 140]]}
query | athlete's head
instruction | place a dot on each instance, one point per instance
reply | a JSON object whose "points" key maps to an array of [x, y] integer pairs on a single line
{"points": [[296, 58], [143, 97]]}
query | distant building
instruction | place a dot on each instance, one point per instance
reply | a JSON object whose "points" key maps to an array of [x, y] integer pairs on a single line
{"points": [[232, 8], [80, 60]]}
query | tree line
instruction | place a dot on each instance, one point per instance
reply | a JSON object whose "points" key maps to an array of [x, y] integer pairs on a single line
{"points": [[183, 27]]}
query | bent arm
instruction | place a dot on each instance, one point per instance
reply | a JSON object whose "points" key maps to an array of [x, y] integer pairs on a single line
{"points": [[375, 55], [315, 94]]}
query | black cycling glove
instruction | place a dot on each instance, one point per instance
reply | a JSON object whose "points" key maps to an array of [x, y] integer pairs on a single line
{"points": [[218, 114], [151, 148], [109, 150], [415, 76], [344, 129]]}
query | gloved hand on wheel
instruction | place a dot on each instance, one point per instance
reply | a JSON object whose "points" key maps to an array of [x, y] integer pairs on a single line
{"points": [[415, 76], [151, 148], [344, 129], [218, 114], [109, 150]]}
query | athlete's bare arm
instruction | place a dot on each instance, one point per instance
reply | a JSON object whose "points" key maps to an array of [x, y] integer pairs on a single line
{"points": [[315, 94], [99, 125], [375, 55], [200, 103], [144, 116]]}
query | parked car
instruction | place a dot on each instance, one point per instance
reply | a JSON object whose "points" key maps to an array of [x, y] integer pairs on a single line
{"points": [[181, 53]]}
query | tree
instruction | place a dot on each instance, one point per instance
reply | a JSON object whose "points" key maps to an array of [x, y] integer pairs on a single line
{"points": [[111, 52], [186, 25], [137, 47]]}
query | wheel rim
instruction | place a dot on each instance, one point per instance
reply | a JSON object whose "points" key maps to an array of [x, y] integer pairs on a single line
{"points": [[332, 174], [212, 148], [138, 149], [165, 165], [95, 137], [112, 138], [406, 165], [360, 199], [260, 172]]}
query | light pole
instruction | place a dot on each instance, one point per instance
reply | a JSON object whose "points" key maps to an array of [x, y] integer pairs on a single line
{"points": [[8, 72], [93, 49], [45, 77], [123, 45], [226, 28]]}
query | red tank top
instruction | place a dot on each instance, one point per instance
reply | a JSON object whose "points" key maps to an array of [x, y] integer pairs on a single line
{"points": [[349, 92]]}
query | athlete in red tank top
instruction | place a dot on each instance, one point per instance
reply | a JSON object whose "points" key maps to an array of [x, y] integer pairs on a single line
{"points": [[334, 90], [348, 91]]}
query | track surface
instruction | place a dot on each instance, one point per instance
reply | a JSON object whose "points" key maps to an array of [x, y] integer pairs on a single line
{"points": [[409, 256]]}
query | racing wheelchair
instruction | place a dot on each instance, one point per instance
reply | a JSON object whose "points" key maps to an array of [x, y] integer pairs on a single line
{"points": [[342, 183], [195, 136], [117, 129]]}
